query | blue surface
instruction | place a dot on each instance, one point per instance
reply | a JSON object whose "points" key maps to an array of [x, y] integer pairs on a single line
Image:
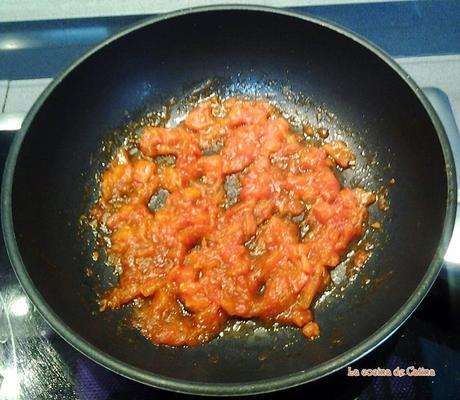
{"points": [[413, 28], [41, 49]]}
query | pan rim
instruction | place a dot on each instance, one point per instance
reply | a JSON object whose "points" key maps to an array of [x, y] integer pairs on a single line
{"points": [[235, 388]]}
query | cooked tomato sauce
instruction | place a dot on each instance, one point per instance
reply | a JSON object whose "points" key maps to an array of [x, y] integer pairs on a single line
{"points": [[207, 255]]}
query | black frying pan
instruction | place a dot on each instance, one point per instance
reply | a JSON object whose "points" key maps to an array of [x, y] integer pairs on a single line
{"points": [[244, 51]]}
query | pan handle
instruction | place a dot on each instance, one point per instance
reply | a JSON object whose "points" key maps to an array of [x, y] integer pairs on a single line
{"points": [[451, 270]]}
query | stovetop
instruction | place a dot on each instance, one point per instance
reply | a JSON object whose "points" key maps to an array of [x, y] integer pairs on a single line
{"points": [[35, 363]]}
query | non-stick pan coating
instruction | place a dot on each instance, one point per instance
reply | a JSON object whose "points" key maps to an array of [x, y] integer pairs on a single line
{"points": [[52, 162]]}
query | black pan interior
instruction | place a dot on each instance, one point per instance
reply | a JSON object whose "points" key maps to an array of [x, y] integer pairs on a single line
{"points": [[242, 51]]}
